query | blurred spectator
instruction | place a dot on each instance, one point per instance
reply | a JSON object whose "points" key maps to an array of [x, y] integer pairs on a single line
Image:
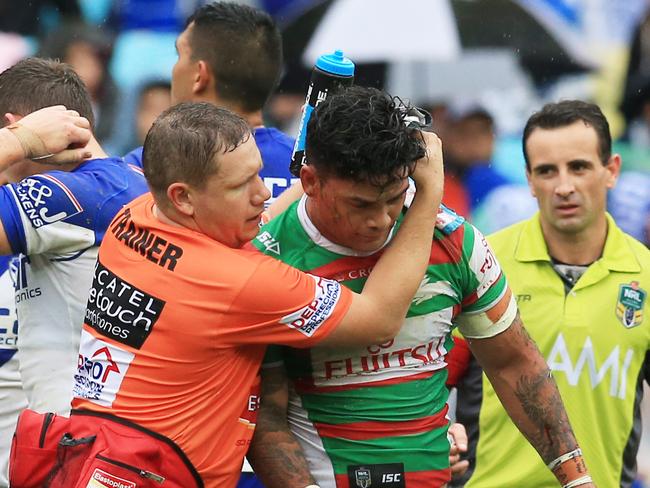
{"points": [[151, 99], [14, 48], [467, 133], [154, 98], [154, 15], [284, 108], [629, 204], [636, 96], [473, 187], [88, 50], [24, 17]]}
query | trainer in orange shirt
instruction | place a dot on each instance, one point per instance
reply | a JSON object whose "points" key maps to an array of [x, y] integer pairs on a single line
{"points": [[179, 315]]}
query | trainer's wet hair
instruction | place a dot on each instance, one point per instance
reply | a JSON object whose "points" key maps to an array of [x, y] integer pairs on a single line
{"points": [[184, 144], [243, 48], [361, 134], [567, 112], [36, 83]]}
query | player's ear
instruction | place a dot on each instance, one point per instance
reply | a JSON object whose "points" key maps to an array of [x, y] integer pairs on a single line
{"points": [[613, 169], [178, 194], [309, 180], [530, 182], [11, 118], [202, 78]]}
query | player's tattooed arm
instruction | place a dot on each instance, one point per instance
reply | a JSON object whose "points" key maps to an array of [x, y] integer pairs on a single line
{"points": [[275, 454], [523, 382]]}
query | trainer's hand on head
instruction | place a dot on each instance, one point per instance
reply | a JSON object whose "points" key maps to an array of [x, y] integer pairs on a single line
{"points": [[458, 438], [429, 173], [52, 135]]}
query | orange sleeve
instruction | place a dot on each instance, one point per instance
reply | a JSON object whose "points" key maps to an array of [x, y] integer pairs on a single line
{"points": [[282, 305]]}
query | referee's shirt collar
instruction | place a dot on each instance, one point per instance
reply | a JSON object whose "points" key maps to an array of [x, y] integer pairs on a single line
{"points": [[617, 254]]}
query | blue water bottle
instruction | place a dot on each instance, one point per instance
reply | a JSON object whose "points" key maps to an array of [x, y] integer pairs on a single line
{"points": [[331, 72]]}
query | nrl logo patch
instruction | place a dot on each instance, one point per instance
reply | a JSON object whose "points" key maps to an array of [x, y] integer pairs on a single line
{"points": [[362, 477], [629, 306]]}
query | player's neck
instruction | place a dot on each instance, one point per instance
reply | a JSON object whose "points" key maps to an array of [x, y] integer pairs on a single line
{"points": [[169, 216], [576, 248], [95, 149], [254, 119]]}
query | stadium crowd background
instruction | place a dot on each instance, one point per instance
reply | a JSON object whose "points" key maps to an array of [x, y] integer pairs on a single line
{"points": [[124, 50]]}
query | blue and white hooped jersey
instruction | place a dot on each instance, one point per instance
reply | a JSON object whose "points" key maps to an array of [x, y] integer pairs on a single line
{"points": [[55, 221]]}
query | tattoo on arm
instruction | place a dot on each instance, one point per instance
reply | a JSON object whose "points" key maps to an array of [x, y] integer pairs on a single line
{"points": [[275, 453], [540, 400]]}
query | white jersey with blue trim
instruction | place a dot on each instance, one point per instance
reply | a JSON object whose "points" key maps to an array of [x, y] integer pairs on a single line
{"points": [[55, 222], [12, 397]]}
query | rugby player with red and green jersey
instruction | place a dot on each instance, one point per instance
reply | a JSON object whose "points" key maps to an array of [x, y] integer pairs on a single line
{"points": [[376, 416]]}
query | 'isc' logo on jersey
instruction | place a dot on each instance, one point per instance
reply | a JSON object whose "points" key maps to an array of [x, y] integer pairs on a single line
{"points": [[629, 306], [45, 200]]}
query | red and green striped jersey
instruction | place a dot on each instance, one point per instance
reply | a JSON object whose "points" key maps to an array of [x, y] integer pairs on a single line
{"points": [[376, 415]]}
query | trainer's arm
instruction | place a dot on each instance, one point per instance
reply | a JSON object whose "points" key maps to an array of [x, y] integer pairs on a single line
{"points": [[523, 382], [377, 314], [275, 454], [50, 131]]}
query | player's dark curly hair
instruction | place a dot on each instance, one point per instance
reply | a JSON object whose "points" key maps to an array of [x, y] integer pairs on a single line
{"points": [[360, 134]]}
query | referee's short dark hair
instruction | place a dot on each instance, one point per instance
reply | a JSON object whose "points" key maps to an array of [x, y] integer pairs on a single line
{"points": [[566, 112]]}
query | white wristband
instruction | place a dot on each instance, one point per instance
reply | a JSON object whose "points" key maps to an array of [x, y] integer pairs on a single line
{"points": [[563, 458], [312, 486], [577, 482]]}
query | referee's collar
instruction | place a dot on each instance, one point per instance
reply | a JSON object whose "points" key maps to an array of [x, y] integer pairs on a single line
{"points": [[617, 254]]}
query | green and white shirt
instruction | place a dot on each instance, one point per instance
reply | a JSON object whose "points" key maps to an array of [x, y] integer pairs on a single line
{"points": [[376, 415]]}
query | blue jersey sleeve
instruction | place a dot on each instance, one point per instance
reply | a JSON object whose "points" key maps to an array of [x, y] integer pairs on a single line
{"points": [[276, 149], [11, 219], [134, 157], [62, 212]]}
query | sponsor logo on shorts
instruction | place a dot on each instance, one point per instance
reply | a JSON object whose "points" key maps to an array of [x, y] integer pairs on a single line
{"points": [[309, 318], [101, 367], [119, 310], [46, 200], [102, 479]]}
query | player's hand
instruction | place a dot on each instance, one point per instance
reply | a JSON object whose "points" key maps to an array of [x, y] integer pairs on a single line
{"points": [[458, 439], [52, 135], [428, 173]]}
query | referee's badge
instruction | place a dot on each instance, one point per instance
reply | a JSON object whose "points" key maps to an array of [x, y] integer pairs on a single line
{"points": [[629, 307]]}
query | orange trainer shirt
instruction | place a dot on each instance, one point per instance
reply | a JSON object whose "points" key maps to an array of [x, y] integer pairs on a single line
{"points": [[176, 328]]}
